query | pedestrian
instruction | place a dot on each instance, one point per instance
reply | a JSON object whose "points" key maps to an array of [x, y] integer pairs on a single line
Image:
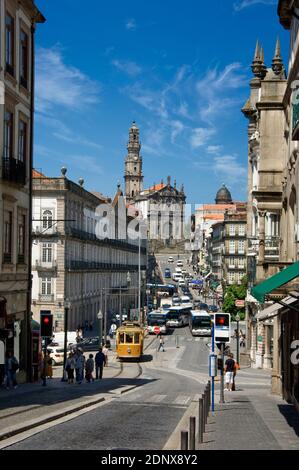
{"points": [[70, 367], [229, 372], [89, 368], [2, 362], [11, 367], [99, 362], [161, 344], [79, 364], [105, 352], [236, 368], [49, 363]]}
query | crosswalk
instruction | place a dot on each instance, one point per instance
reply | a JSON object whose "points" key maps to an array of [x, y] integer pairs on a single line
{"points": [[163, 399]]}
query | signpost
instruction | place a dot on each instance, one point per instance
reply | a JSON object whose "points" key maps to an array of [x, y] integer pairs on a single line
{"points": [[213, 367], [240, 303], [157, 330]]}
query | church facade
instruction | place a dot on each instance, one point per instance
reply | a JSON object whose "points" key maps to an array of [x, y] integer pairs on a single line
{"points": [[162, 205]]}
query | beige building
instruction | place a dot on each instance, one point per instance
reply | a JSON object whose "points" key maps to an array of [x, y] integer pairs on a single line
{"points": [[18, 21], [228, 246], [272, 307], [72, 261]]}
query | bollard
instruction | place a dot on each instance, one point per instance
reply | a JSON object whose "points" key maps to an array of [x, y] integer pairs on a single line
{"points": [[209, 396], [177, 341], [200, 420], [206, 405], [203, 413], [192, 433], [184, 440]]}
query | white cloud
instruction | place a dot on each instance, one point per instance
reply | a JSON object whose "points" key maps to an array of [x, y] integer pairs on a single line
{"points": [[77, 140], [59, 84], [200, 136], [229, 167], [214, 149], [130, 68], [131, 24], [84, 163], [238, 6], [177, 129]]}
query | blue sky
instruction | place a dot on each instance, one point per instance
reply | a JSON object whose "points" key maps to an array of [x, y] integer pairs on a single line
{"points": [[180, 69]]}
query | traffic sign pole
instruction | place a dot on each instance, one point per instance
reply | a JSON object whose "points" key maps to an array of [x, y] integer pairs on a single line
{"points": [[222, 375]]}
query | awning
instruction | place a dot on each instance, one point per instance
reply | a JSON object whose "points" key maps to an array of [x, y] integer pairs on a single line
{"points": [[273, 310], [278, 280]]}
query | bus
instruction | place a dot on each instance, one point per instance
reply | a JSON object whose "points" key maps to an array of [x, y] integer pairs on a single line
{"points": [[157, 318], [169, 289], [200, 323], [178, 316]]}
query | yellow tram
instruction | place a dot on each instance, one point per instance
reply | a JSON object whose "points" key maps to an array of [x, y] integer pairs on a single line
{"points": [[129, 341]]}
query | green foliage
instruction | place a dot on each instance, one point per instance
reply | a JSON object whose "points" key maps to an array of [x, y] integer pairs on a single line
{"points": [[233, 293]]}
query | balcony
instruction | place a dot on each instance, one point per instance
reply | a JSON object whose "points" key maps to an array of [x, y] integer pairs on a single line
{"points": [[13, 170], [46, 298], [39, 230], [44, 266], [272, 245]]}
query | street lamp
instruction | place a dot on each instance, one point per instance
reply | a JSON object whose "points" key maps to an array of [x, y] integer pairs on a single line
{"points": [[238, 344], [67, 306], [128, 283], [100, 318]]}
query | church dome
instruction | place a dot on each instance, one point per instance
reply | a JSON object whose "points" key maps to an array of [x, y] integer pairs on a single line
{"points": [[223, 196]]}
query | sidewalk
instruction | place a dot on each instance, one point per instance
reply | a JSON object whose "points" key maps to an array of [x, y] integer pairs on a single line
{"points": [[252, 418]]}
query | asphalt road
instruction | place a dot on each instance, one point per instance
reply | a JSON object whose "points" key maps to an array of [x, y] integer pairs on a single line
{"points": [[144, 418]]}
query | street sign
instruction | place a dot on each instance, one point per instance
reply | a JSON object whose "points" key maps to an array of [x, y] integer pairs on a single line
{"points": [[157, 330], [240, 303]]}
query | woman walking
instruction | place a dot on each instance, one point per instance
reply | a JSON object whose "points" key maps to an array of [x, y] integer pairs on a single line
{"points": [[70, 368]]}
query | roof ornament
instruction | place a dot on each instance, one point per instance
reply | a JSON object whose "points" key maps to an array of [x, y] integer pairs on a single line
{"points": [[277, 62], [168, 180], [63, 171], [258, 66]]}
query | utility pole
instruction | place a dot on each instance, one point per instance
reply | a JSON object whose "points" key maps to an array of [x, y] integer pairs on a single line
{"points": [[222, 375]]}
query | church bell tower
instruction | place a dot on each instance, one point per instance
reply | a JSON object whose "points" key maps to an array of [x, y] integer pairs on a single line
{"points": [[133, 165]]}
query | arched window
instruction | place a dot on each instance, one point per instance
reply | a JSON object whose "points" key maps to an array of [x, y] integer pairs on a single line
{"points": [[47, 219]]}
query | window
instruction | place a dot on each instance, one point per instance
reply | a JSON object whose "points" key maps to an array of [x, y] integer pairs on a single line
{"points": [[9, 43], [47, 252], [22, 141], [242, 230], [23, 59], [21, 238], [8, 135], [241, 246], [231, 247], [231, 278], [47, 219], [46, 286], [232, 230], [7, 255]]}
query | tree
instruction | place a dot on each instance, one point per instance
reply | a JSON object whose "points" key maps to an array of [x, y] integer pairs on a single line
{"points": [[233, 293]]}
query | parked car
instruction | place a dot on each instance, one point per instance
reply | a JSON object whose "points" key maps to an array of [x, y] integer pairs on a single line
{"points": [[88, 344], [180, 263], [170, 259], [56, 354], [213, 308], [203, 306]]}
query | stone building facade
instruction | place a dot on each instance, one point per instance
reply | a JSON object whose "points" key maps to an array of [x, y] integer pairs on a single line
{"points": [[18, 20], [162, 205], [72, 261]]}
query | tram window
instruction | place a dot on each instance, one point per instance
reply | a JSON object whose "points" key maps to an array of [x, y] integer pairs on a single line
{"points": [[121, 337], [136, 338], [129, 337]]}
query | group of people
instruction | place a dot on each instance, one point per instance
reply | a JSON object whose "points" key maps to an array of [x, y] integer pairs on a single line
{"points": [[76, 363]]}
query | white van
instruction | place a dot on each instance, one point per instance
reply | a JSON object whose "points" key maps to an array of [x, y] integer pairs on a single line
{"points": [[59, 338], [177, 277]]}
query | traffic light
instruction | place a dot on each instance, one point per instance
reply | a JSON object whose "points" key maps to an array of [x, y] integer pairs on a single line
{"points": [[46, 325], [222, 327]]}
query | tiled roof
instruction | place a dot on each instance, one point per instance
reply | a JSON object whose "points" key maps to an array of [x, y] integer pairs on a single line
{"points": [[37, 174]]}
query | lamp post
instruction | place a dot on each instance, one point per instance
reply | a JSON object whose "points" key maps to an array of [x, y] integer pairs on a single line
{"points": [[238, 343], [100, 318], [128, 283], [143, 277], [67, 306]]}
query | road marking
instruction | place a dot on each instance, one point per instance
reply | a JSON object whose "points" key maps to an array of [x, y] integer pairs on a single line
{"points": [[157, 398], [182, 400]]}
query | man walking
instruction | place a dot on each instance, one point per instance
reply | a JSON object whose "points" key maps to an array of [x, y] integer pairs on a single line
{"points": [[99, 361], [80, 362], [161, 344], [229, 372]]}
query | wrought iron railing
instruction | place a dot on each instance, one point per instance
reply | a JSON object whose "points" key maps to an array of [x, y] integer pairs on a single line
{"points": [[13, 170]]}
